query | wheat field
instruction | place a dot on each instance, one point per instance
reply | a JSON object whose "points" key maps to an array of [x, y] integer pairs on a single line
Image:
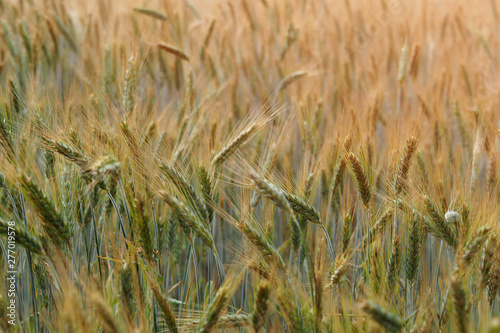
{"points": [[249, 166]]}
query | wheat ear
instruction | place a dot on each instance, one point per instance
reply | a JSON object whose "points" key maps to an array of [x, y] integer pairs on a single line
{"points": [[229, 149], [360, 177], [23, 237], [384, 318], [213, 312]]}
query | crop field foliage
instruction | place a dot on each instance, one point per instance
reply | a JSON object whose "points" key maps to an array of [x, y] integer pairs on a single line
{"points": [[250, 166]]}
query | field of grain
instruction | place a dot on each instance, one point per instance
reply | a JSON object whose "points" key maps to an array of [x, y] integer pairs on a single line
{"points": [[249, 166]]}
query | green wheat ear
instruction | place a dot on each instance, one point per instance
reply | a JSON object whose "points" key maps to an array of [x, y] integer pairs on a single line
{"points": [[186, 216], [381, 316], [212, 313], [437, 225], [413, 248], [54, 225], [22, 236]]}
